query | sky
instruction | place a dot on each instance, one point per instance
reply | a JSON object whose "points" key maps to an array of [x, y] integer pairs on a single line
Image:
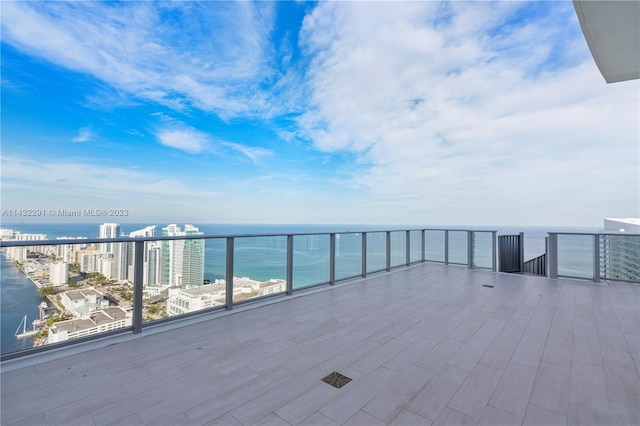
{"points": [[409, 113]]}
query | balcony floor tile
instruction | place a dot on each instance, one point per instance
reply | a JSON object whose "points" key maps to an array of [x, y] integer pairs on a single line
{"points": [[422, 344]]}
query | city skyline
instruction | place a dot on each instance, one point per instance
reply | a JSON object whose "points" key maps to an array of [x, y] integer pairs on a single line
{"points": [[452, 113]]}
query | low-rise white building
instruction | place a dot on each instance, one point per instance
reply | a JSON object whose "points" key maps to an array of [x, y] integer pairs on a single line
{"points": [[83, 302], [106, 319], [184, 300]]}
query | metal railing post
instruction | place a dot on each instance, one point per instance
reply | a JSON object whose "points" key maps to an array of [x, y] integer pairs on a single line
{"points": [[470, 249], [521, 252], [552, 256], [228, 296], [289, 264], [494, 256], [408, 247], [138, 278], [388, 250], [364, 254], [446, 247], [596, 258], [332, 259], [423, 234]]}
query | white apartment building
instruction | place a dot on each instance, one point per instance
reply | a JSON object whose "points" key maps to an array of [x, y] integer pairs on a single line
{"points": [[89, 261], [6, 234], [58, 273], [108, 230], [147, 231], [105, 266], [106, 319], [20, 253], [184, 300], [66, 252]]}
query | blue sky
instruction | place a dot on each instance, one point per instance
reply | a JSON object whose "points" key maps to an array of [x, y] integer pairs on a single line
{"points": [[421, 113]]}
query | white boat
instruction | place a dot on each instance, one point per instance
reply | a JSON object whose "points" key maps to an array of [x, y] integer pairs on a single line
{"points": [[25, 332]]}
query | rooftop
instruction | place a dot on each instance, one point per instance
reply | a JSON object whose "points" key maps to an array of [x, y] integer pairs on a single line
{"points": [[428, 344]]}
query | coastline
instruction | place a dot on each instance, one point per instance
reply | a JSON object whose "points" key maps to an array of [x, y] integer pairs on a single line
{"points": [[21, 267]]}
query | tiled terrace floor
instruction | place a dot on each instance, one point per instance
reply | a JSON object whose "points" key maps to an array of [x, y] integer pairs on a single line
{"points": [[424, 345]]}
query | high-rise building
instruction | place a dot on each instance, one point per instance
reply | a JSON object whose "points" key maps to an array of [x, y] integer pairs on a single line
{"points": [[153, 267], [66, 252], [122, 259], [192, 259], [108, 230], [147, 231], [182, 260], [620, 253]]}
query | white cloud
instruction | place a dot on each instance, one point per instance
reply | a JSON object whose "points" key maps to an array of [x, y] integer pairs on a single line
{"points": [[85, 134], [465, 107], [212, 56], [97, 180], [73, 184], [184, 138], [178, 135], [254, 154]]}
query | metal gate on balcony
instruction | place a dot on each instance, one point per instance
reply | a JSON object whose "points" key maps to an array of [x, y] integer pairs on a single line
{"points": [[511, 252], [511, 256]]}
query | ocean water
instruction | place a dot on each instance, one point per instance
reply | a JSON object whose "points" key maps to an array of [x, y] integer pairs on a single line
{"points": [[263, 258]]}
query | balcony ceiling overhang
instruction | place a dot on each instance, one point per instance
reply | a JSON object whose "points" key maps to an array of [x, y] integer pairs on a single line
{"points": [[612, 31]]}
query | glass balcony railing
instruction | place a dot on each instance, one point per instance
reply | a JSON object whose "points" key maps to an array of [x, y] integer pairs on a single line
{"points": [[435, 243], [375, 252], [594, 257], [90, 288], [96, 287]]}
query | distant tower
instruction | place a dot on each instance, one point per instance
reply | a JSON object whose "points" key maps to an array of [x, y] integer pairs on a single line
{"points": [[153, 272], [108, 230], [182, 260], [148, 231], [192, 259]]}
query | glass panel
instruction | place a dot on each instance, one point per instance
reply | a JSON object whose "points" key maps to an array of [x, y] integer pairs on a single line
{"points": [[434, 245], [458, 247], [620, 257], [20, 299], [182, 276], [415, 241], [482, 249], [348, 255], [310, 260], [575, 256], [398, 248], [376, 251], [52, 294], [260, 267]]}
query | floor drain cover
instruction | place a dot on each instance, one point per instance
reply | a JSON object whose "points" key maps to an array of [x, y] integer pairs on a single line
{"points": [[487, 285], [336, 379]]}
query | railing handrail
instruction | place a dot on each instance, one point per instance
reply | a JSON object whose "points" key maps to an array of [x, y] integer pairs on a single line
{"points": [[619, 234], [139, 247], [31, 243], [596, 276]]}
